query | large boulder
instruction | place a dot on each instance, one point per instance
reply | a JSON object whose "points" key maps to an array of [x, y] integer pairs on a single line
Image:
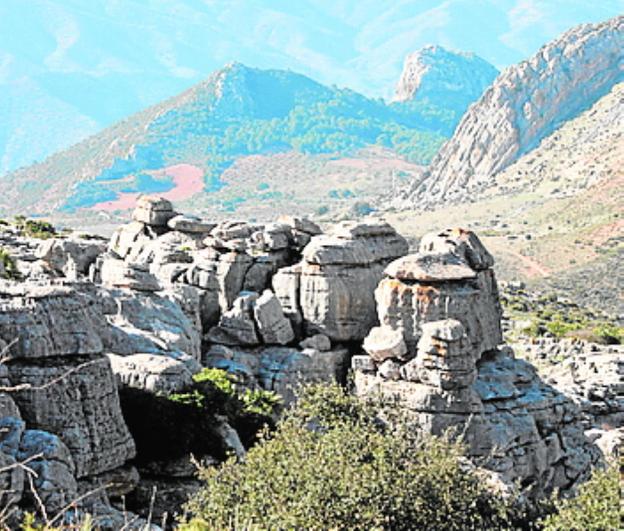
{"points": [[339, 273], [39, 320], [151, 372], [441, 283], [76, 399], [155, 211], [273, 326], [63, 254]]}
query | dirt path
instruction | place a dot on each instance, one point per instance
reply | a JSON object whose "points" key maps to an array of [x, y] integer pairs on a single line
{"points": [[532, 268]]}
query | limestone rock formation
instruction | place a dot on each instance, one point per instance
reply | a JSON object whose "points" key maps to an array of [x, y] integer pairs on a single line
{"points": [[338, 275], [525, 104], [439, 76], [456, 375], [154, 211]]}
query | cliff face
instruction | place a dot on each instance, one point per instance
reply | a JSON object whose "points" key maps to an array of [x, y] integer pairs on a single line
{"points": [[526, 103], [441, 76]]}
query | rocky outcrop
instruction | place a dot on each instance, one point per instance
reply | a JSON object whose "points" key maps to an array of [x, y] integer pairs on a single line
{"points": [[455, 375], [525, 104], [279, 369], [337, 277], [93, 370], [439, 76]]}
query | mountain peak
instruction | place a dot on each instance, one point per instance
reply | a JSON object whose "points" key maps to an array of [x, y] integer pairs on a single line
{"points": [[525, 104], [436, 74]]}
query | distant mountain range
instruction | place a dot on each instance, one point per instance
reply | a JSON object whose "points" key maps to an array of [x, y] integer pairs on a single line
{"points": [[240, 111], [524, 105], [70, 68]]}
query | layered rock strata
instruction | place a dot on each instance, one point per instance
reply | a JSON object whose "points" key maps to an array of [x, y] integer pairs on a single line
{"points": [[455, 376]]}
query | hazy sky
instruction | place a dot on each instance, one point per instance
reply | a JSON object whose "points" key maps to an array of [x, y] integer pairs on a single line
{"points": [[356, 43]]}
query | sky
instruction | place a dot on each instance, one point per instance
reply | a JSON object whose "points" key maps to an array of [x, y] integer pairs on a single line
{"points": [[355, 43], [88, 63]]}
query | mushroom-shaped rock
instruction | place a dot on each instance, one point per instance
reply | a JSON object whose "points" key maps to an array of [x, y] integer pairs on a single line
{"points": [[463, 243], [423, 287]]}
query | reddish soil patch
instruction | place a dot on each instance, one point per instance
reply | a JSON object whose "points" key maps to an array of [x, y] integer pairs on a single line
{"points": [[188, 180]]}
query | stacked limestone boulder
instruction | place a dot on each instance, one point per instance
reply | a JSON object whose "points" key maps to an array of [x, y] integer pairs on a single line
{"points": [[61, 410], [438, 353]]}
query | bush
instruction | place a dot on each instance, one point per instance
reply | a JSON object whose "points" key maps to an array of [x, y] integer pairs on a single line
{"points": [[11, 270], [34, 228], [597, 506], [332, 465]]}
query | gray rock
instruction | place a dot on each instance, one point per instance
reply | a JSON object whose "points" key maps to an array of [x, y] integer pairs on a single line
{"points": [[148, 323], [383, 342], [231, 270], [389, 370], [190, 224], [318, 342], [406, 303], [54, 482], [59, 253], [150, 372], [119, 274], [237, 326], [286, 286], [128, 238], [338, 275], [464, 244], [77, 400], [46, 320], [273, 326], [155, 211]]}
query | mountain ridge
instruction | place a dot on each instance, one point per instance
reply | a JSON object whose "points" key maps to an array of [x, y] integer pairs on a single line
{"points": [[236, 111], [525, 104]]}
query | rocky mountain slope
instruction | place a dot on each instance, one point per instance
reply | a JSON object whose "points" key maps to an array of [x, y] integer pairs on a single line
{"points": [[182, 146], [440, 76], [526, 103]]}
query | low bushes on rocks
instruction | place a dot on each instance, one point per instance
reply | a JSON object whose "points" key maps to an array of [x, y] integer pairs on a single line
{"points": [[332, 464]]}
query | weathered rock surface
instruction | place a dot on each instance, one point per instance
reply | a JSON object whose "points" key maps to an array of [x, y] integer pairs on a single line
{"points": [[76, 399], [63, 254], [439, 76], [154, 211], [273, 326], [430, 286], [280, 369], [458, 378], [339, 272], [525, 104], [190, 224], [153, 373]]}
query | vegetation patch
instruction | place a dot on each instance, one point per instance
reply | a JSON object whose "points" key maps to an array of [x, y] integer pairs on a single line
{"points": [[35, 228], [9, 268], [331, 464]]}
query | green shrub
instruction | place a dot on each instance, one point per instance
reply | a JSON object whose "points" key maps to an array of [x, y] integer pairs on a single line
{"points": [[35, 228], [609, 333], [219, 378], [331, 465], [596, 508], [260, 401], [560, 328], [11, 270]]}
